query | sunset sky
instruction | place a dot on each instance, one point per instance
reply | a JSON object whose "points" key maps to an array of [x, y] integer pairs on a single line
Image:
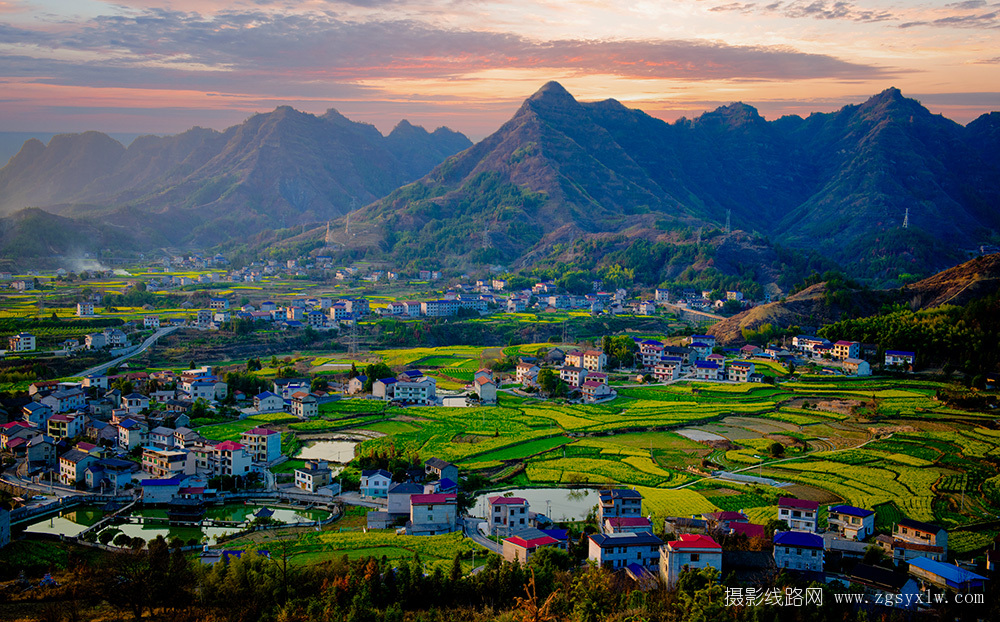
{"points": [[163, 66]]}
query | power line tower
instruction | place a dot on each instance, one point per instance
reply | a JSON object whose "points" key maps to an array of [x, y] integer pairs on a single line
{"points": [[906, 219], [347, 229], [699, 237], [729, 213], [487, 242], [327, 240]]}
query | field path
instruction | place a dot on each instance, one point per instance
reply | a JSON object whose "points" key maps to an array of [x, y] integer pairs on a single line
{"points": [[100, 369]]}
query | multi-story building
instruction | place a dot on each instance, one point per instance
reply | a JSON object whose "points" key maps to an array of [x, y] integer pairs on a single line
{"points": [[620, 550], [508, 515], [167, 462], [268, 402], [72, 465], [573, 376], [618, 502], [707, 370], [304, 405], [799, 514], [526, 373], [796, 550], [375, 483], [84, 309], [441, 468], [68, 425], [900, 358], [911, 539], [739, 371], [851, 522], [313, 475], [231, 458], [433, 514], [422, 390], [150, 321], [846, 350], [691, 552], [521, 546], [21, 342], [262, 444]]}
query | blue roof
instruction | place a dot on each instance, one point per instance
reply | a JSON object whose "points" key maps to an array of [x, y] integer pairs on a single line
{"points": [[266, 394], [711, 337], [850, 510], [374, 472], [559, 534], [651, 342], [293, 323], [951, 574], [798, 538], [161, 482], [387, 380], [900, 353], [699, 344], [362, 379], [445, 484], [413, 373], [706, 365], [638, 571], [629, 539], [620, 493]]}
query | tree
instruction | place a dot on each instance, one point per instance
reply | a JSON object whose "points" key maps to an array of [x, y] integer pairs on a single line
{"points": [[376, 371], [776, 449], [774, 525]]}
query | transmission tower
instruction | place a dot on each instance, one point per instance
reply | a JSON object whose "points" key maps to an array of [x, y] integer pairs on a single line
{"points": [[906, 219], [729, 213], [347, 230], [327, 239], [699, 237], [487, 242]]}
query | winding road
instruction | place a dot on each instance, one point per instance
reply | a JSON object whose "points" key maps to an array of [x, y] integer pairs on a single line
{"points": [[100, 369]]}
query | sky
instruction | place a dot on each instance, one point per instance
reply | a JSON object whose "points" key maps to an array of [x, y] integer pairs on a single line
{"points": [[162, 66]]}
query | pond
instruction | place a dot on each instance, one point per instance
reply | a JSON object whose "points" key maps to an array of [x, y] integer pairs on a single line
{"points": [[71, 523], [68, 523], [559, 504], [340, 452]]}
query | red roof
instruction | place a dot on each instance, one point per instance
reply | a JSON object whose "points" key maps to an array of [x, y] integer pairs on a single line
{"points": [[507, 501], [483, 380], [534, 542], [59, 418], [14, 424], [801, 504], [628, 521], [432, 499], [592, 384], [693, 541], [229, 446], [191, 491], [750, 530], [14, 442]]}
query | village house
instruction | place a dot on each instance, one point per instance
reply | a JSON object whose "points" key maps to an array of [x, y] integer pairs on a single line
{"points": [[857, 367], [312, 476], [911, 539], [356, 385], [131, 434], [573, 376], [666, 371], [526, 374], [620, 550], [707, 370], [851, 522], [508, 515], [162, 437], [262, 444], [486, 389], [36, 414], [72, 465], [268, 402], [167, 462], [522, 545], [375, 483], [618, 502], [739, 371], [846, 350], [627, 524], [84, 309], [689, 552], [399, 498], [304, 405], [151, 321], [65, 400], [432, 515], [946, 576], [900, 359], [796, 550], [66, 425], [799, 514], [21, 342], [594, 391]]}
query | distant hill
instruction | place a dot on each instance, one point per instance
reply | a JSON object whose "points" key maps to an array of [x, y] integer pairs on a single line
{"points": [[202, 187], [820, 304], [560, 171]]}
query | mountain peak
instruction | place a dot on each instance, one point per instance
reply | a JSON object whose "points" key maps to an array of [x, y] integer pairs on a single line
{"points": [[552, 92]]}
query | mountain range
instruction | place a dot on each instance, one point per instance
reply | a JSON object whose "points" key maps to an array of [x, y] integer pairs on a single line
{"points": [[838, 183], [202, 187], [564, 182]]}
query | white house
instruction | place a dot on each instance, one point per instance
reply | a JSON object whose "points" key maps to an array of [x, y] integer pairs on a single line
{"points": [[707, 370], [84, 309], [798, 514], [263, 445], [796, 550], [433, 514], [594, 391], [150, 321], [304, 405], [618, 502], [620, 550], [857, 367], [268, 402], [900, 358], [486, 389], [573, 376], [851, 522], [508, 515], [356, 385], [21, 342], [313, 475], [739, 371], [526, 373], [691, 552], [375, 483]]}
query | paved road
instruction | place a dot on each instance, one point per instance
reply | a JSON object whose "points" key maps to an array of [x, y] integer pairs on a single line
{"points": [[100, 369], [471, 531]]}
